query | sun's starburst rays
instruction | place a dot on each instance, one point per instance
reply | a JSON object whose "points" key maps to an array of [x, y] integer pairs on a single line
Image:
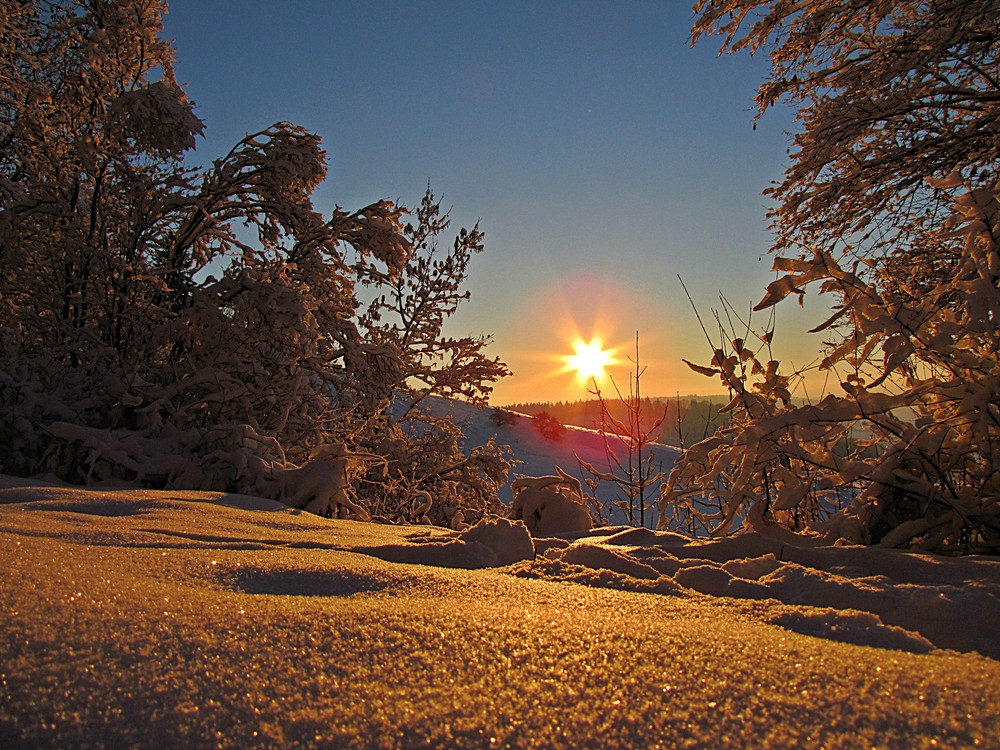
{"points": [[589, 360]]}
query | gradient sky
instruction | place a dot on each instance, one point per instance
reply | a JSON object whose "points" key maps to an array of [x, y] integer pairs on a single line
{"points": [[600, 153]]}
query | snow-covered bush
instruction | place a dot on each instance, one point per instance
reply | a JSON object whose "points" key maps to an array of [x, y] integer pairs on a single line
{"points": [[192, 327], [908, 455], [548, 427], [550, 505], [891, 203], [428, 477]]}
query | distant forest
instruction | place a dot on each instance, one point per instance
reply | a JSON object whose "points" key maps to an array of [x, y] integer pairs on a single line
{"points": [[689, 419]]}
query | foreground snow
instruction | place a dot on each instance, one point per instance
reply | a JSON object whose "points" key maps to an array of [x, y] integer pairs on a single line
{"points": [[200, 620]]}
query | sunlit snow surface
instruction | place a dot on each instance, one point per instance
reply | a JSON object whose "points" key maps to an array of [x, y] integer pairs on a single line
{"points": [[162, 619]]}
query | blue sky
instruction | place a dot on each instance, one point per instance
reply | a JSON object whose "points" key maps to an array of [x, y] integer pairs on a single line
{"points": [[600, 153]]}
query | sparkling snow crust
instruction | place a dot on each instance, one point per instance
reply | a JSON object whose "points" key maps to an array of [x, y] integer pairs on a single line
{"points": [[186, 619]]}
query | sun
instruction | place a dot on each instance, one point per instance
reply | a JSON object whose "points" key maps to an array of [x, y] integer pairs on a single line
{"points": [[590, 360]]}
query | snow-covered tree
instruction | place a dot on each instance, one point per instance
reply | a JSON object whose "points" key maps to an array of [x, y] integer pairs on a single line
{"points": [[179, 326], [406, 320], [887, 93], [891, 204]]}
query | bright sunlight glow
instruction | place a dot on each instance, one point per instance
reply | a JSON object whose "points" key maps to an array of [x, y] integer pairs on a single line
{"points": [[589, 360]]}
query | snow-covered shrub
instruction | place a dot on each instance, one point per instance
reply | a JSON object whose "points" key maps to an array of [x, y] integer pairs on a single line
{"points": [[550, 505], [322, 485], [548, 427], [427, 475], [908, 455]]}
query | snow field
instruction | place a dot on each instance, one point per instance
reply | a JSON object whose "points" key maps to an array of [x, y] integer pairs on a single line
{"points": [[168, 619]]}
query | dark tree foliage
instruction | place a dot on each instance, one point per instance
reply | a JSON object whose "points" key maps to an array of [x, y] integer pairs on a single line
{"points": [[888, 93], [196, 327], [890, 207]]}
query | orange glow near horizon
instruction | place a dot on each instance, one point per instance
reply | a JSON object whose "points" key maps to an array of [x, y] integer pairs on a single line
{"points": [[578, 326]]}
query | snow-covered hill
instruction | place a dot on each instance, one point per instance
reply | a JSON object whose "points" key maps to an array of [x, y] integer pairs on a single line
{"points": [[539, 456]]}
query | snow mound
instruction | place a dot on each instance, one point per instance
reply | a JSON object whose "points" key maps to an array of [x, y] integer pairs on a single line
{"points": [[548, 513], [488, 544], [563, 572], [880, 597], [508, 541], [851, 626]]}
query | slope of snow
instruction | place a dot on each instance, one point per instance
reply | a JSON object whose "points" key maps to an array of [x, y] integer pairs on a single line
{"points": [[538, 456], [185, 619]]}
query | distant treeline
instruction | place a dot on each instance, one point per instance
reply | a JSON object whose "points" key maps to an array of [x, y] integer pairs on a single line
{"points": [[688, 418]]}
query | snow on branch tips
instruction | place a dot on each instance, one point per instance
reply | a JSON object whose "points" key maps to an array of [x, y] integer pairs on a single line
{"points": [[889, 208], [906, 455]]}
